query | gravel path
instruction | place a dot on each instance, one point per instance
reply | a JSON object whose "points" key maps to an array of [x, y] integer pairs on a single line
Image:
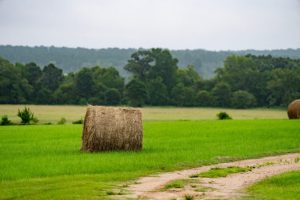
{"points": [[229, 187]]}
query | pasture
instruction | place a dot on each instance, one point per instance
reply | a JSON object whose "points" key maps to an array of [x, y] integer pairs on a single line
{"points": [[283, 186], [44, 161], [53, 113]]}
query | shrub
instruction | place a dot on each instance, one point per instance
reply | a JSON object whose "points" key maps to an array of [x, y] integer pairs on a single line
{"points": [[5, 120], [223, 115], [27, 116], [62, 121], [80, 121]]}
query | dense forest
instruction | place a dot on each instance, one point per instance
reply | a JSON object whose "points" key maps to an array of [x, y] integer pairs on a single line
{"points": [[73, 59], [156, 79]]}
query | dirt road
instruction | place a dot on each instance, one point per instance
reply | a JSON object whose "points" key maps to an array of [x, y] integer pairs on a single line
{"points": [[229, 187]]}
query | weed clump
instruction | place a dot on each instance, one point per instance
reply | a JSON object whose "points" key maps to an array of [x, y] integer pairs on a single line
{"points": [[223, 116], [5, 121], [80, 121], [175, 184], [62, 121], [27, 116], [221, 172], [188, 197]]}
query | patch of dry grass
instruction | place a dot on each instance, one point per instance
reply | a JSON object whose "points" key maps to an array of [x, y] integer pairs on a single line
{"points": [[53, 113]]}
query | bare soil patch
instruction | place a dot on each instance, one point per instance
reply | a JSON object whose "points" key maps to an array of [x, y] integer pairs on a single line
{"points": [[231, 186]]}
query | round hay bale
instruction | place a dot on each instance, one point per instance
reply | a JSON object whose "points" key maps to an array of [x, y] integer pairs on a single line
{"points": [[112, 128], [294, 109]]}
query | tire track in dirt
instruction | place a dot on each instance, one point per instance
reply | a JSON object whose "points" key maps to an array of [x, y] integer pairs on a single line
{"points": [[229, 187]]}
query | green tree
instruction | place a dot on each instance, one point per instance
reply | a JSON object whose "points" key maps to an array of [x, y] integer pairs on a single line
{"points": [[183, 96], [51, 77], [65, 94], [13, 87], [135, 93], [157, 92], [222, 94], [112, 96], [242, 99], [139, 64], [237, 72], [149, 64], [108, 77], [283, 86], [188, 76], [163, 65], [84, 84], [204, 98], [32, 72], [245, 73]]}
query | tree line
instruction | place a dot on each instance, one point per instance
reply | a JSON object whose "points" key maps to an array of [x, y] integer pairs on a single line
{"points": [[155, 79], [73, 59]]}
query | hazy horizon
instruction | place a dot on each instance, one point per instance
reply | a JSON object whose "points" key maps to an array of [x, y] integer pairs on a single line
{"points": [[173, 24], [219, 50]]}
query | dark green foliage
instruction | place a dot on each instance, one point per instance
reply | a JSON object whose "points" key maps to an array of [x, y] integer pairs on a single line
{"points": [[27, 116], [5, 121], [51, 77], [62, 121], [84, 84], [242, 99], [14, 88], [188, 76], [72, 59], [243, 82], [112, 96], [204, 98], [183, 96], [32, 72], [223, 116], [80, 121], [222, 94], [149, 64], [272, 81], [283, 86], [135, 93], [157, 92]]}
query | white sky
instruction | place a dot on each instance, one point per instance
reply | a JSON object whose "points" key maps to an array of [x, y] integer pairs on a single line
{"points": [[174, 24]]}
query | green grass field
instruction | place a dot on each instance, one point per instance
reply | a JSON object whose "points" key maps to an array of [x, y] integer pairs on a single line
{"points": [[221, 172], [44, 162], [54, 113], [285, 186]]}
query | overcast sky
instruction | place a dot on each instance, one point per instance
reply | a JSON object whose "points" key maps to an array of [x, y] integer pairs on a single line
{"points": [[174, 24]]}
